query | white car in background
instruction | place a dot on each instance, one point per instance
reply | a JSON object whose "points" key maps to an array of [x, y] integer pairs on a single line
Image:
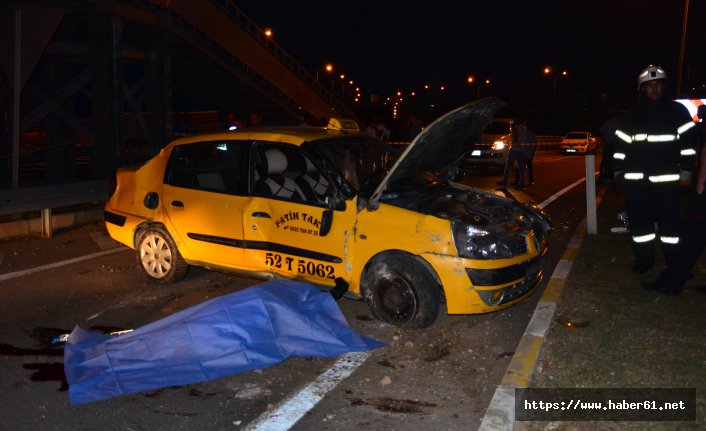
{"points": [[578, 142]]}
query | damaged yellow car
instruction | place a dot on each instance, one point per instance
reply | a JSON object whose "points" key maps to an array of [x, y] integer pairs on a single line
{"points": [[334, 206]]}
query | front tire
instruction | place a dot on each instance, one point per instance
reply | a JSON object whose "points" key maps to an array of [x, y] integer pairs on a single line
{"points": [[158, 256], [401, 292]]}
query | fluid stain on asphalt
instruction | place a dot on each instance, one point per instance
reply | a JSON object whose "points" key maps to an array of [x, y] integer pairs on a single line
{"points": [[48, 372], [45, 371], [392, 405], [42, 372]]}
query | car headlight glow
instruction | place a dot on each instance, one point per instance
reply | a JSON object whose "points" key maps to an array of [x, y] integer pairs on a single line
{"points": [[498, 145], [477, 243]]}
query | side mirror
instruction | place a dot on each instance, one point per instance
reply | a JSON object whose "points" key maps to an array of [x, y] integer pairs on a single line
{"points": [[326, 222]]}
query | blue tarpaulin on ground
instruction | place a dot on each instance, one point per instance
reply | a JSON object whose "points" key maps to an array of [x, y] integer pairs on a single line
{"points": [[250, 329]]}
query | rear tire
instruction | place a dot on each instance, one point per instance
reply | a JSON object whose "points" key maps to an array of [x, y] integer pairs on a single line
{"points": [[401, 292], [158, 256]]}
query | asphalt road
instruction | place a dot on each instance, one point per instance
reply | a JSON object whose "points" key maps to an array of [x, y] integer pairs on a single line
{"points": [[440, 378]]}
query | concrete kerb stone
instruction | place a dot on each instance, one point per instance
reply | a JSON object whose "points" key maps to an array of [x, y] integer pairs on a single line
{"points": [[500, 414]]}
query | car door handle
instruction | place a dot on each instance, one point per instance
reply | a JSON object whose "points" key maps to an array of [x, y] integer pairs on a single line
{"points": [[261, 214], [178, 204]]}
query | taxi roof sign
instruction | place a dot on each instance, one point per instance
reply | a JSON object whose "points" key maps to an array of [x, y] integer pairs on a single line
{"points": [[344, 124]]}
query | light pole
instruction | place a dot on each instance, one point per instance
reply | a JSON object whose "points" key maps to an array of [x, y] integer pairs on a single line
{"points": [[471, 79], [328, 68], [681, 50], [549, 71]]}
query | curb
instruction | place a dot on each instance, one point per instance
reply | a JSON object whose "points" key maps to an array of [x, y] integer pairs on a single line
{"points": [[500, 414]]}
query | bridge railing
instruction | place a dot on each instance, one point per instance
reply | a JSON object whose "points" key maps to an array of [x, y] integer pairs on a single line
{"points": [[241, 19]]}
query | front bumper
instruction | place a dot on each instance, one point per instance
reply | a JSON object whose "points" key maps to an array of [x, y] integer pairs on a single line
{"points": [[473, 287]]}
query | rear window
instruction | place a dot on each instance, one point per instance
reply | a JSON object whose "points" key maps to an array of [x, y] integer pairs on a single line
{"points": [[212, 166]]}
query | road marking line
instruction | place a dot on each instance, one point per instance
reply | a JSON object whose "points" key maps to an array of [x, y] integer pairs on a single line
{"points": [[556, 195], [288, 413], [500, 414], [562, 269], [16, 274]]}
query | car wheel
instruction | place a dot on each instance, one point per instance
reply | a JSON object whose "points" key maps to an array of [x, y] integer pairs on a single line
{"points": [[401, 292], [158, 256]]}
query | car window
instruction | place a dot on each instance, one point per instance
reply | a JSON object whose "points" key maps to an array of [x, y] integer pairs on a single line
{"points": [[576, 135], [283, 171], [212, 166], [362, 162]]}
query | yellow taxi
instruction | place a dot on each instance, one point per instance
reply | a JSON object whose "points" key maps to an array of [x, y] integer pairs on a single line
{"points": [[333, 205]]}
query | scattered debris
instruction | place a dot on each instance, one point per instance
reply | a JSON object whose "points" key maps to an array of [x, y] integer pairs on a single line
{"points": [[565, 321], [250, 391]]}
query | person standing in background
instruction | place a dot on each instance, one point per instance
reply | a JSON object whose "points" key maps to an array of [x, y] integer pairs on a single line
{"points": [[654, 149]]}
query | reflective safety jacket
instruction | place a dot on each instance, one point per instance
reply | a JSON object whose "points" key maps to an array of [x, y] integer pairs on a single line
{"points": [[656, 142]]}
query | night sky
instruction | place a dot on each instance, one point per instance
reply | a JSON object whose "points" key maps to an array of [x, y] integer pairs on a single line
{"points": [[396, 45]]}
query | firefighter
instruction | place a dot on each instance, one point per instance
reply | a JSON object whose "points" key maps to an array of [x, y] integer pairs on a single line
{"points": [[654, 151]]}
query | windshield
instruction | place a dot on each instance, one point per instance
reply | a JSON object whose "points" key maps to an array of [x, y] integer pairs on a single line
{"points": [[362, 162], [576, 135]]}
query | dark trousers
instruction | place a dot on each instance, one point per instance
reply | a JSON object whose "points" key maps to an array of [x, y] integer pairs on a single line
{"points": [[649, 204], [692, 241], [515, 158], [530, 170]]}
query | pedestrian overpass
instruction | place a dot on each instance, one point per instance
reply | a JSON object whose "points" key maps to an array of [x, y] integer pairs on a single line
{"points": [[92, 85]]}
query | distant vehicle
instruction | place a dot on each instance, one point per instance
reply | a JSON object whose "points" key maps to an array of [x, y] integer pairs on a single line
{"points": [[493, 146], [335, 205], [578, 142]]}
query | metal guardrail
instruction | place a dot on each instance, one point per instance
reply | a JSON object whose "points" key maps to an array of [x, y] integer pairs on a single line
{"points": [[46, 198]]}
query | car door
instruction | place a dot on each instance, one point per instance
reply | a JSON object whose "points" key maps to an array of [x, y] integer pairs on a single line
{"points": [[283, 221], [204, 194]]}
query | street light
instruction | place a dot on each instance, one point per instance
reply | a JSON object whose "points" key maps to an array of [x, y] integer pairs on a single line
{"points": [[328, 68], [471, 79], [549, 71]]}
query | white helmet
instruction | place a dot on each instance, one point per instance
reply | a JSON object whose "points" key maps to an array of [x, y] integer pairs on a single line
{"points": [[651, 73]]}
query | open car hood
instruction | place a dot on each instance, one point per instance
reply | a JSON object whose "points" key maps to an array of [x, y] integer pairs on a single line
{"points": [[444, 142]]}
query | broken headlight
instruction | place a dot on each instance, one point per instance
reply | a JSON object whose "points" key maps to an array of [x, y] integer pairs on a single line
{"points": [[478, 243]]}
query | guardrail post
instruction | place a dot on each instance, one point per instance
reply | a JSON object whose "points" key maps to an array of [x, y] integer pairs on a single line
{"points": [[46, 223], [591, 218]]}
